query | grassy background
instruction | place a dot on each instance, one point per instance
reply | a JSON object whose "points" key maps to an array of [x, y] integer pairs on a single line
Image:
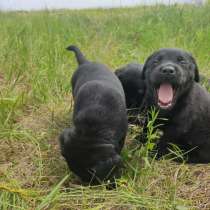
{"points": [[35, 105]]}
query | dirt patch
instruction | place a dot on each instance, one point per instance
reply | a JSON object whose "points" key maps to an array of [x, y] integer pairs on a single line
{"points": [[197, 187], [30, 164], [16, 160], [35, 160], [47, 116], [1, 77]]}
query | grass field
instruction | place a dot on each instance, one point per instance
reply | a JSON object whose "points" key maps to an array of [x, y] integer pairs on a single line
{"points": [[36, 104]]}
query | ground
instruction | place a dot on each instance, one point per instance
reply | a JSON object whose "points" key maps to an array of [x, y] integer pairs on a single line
{"points": [[36, 105]]}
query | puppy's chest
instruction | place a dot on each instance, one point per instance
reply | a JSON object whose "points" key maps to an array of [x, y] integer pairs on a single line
{"points": [[175, 130]]}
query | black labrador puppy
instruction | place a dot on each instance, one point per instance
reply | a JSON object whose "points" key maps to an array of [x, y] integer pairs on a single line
{"points": [[171, 78], [130, 76], [92, 145]]}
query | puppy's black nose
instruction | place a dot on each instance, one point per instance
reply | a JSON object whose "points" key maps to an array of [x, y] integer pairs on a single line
{"points": [[169, 70]]}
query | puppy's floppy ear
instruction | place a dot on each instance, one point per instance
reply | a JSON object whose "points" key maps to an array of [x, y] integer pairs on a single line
{"points": [[107, 169], [145, 66], [144, 71], [65, 139], [195, 68]]}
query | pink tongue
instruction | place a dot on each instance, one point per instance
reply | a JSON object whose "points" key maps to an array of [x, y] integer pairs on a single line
{"points": [[165, 93]]}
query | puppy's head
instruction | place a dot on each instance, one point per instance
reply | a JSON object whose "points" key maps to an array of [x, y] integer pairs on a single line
{"points": [[130, 77], [169, 74], [91, 163], [107, 169]]}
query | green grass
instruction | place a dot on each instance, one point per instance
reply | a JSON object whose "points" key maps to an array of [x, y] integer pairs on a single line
{"points": [[36, 104]]}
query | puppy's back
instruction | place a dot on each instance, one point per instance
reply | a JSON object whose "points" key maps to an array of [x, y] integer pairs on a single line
{"points": [[95, 71]]}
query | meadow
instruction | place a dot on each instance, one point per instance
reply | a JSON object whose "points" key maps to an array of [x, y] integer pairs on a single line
{"points": [[36, 105]]}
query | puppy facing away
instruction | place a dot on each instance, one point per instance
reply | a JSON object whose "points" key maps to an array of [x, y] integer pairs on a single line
{"points": [[93, 144], [171, 78], [131, 79]]}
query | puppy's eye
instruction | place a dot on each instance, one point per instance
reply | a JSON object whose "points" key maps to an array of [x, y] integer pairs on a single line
{"points": [[156, 62], [181, 60]]}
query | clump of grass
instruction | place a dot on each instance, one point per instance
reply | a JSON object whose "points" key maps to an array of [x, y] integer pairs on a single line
{"points": [[13, 197], [152, 133]]}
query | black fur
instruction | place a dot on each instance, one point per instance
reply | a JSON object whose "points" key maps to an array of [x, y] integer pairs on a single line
{"points": [[188, 117], [92, 145], [130, 76]]}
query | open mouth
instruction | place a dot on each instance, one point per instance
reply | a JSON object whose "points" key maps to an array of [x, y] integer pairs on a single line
{"points": [[166, 95]]}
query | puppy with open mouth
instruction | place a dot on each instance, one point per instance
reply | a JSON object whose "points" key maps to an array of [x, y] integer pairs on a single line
{"points": [[171, 78], [93, 144]]}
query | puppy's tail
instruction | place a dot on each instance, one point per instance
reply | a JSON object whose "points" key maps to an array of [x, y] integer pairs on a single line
{"points": [[80, 57]]}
